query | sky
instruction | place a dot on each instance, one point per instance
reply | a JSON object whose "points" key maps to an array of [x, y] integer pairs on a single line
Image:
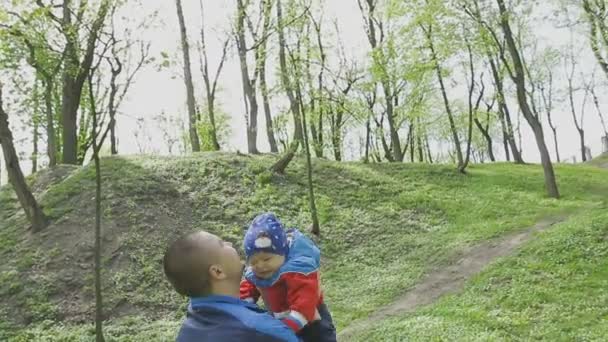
{"points": [[155, 92]]}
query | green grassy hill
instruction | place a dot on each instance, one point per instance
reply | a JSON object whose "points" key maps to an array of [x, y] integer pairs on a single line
{"points": [[383, 226], [601, 161]]}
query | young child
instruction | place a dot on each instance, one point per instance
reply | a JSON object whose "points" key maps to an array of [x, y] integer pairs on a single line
{"points": [[284, 271]]}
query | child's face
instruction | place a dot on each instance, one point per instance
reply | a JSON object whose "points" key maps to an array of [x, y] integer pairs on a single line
{"points": [[265, 265]]}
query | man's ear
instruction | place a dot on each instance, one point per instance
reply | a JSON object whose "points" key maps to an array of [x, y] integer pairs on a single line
{"points": [[217, 272]]}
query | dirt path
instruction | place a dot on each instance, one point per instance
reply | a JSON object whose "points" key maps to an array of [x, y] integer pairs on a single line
{"points": [[452, 278]]}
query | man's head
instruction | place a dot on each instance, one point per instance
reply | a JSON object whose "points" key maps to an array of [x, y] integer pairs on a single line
{"points": [[266, 245], [201, 264]]}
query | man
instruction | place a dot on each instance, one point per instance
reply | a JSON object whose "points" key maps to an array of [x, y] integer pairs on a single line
{"points": [[208, 271]]}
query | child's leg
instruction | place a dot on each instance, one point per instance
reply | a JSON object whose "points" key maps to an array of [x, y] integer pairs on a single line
{"points": [[320, 331]]}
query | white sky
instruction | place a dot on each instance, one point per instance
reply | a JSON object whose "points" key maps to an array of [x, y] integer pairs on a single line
{"points": [[155, 92]]}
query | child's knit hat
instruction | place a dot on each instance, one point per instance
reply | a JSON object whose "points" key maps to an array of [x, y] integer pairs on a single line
{"points": [[266, 234]]}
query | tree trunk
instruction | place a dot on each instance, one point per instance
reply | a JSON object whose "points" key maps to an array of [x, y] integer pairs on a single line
{"points": [[387, 150], [444, 95], [211, 112], [311, 193], [267, 113], [249, 87], [411, 136], [515, 150], [519, 80], [428, 149], [582, 142], [98, 295], [390, 113], [97, 251], [556, 144], [112, 126], [504, 112], [554, 130], [319, 138], [336, 143], [112, 106], [472, 109], [599, 111], [505, 141], [420, 149], [74, 76], [35, 151], [262, 56], [32, 210], [579, 127], [281, 164], [367, 140], [194, 140], [35, 124], [488, 139], [319, 144], [69, 109], [209, 88], [58, 119], [51, 145], [113, 142], [336, 133], [548, 102]]}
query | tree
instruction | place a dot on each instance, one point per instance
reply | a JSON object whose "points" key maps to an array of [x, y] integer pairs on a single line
{"points": [[123, 61], [76, 69], [547, 96], [370, 102], [316, 230], [97, 252], [428, 26], [596, 103], [383, 52], [473, 108], [344, 81], [485, 128], [262, 58], [249, 83], [192, 118], [518, 76], [30, 206], [211, 86], [570, 63], [595, 11], [36, 124], [30, 31], [294, 106], [495, 53], [317, 94]]}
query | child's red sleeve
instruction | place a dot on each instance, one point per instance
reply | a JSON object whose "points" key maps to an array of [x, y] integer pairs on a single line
{"points": [[303, 294], [249, 292]]}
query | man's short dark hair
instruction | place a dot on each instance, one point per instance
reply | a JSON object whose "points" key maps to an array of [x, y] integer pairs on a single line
{"points": [[184, 267]]}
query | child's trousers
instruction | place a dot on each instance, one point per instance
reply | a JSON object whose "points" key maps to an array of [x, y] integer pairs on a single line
{"points": [[320, 331]]}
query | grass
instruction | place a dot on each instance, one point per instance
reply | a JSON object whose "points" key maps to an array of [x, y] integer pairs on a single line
{"points": [[383, 226], [554, 289], [601, 160]]}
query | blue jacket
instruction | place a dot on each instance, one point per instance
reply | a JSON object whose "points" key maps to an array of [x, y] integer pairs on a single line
{"points": [[228, 319]]}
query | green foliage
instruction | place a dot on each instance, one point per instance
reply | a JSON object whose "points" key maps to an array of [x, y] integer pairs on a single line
{"points": [[383, 227]]}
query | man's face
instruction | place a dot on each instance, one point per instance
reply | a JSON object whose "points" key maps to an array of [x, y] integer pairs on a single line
{"points": [[229, 259]]}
